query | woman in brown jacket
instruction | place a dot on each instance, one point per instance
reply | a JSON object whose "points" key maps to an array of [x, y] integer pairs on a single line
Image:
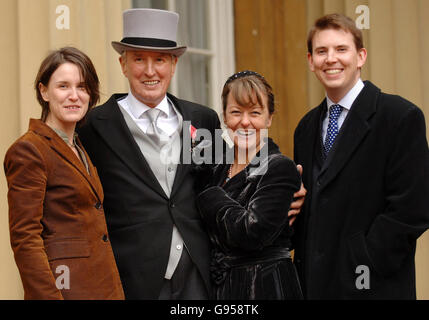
{"points": [[57, 224]]}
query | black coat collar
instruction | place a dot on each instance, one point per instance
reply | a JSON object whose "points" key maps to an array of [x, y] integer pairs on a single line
{"points": [[353, 131]]}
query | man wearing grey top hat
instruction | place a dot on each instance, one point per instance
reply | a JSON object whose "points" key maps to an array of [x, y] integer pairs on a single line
{"points": [[160, 246]]}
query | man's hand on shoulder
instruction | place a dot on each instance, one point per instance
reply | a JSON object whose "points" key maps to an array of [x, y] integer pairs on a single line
{"points": [[299, 197]]}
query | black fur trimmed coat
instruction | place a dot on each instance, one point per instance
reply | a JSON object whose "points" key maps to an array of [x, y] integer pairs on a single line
{"points": [[247, 220]]}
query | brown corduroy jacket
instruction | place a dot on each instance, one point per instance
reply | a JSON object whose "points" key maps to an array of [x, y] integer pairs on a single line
{"points": [[57, 225]]}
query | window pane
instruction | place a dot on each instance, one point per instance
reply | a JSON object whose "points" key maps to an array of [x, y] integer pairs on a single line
{"points": [[155, 4], [192, 74], [192, 23], [193, 82]]}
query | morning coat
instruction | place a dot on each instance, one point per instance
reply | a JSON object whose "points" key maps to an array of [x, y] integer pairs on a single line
{"points": [[139, 215]]}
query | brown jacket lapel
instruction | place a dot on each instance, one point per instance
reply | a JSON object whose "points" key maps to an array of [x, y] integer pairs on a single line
{"points": [[60, 147]]}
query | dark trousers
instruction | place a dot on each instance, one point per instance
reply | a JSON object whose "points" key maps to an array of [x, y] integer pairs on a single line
{"points": [[186, 282]]}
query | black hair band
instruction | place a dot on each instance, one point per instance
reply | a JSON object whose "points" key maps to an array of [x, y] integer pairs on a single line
{"points": [[243, 74]]}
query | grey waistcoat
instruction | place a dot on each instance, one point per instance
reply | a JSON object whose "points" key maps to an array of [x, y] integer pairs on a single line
{"points": [[163, 160]]}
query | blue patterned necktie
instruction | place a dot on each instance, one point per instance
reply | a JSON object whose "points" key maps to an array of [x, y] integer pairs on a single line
{"points": [[332, 132]]}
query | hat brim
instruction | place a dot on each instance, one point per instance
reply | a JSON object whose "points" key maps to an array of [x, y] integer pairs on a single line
{"points": [[120, 47]]}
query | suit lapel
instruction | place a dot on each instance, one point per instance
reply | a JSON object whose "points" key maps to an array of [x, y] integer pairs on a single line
{"points": [[60, 147], [95, 181], [309, 141], [111, 126], [183, 169], [353, 131]]}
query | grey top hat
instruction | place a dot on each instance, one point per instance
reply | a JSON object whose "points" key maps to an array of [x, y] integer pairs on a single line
{"points": [[151, 30]]}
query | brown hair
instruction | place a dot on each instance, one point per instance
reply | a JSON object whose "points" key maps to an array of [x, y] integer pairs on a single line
{"points": [[243, 84], [59, 57], [335, 21]]}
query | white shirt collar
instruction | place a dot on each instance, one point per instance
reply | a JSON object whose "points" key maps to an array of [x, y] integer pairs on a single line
{"points": [[138, 108], [347, 101]]}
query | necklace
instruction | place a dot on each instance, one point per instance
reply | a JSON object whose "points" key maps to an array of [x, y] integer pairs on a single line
{"points": [[230, 172], [229, 176]]}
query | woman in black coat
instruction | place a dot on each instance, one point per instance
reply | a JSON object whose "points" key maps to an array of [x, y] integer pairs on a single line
{"points": [[245, 204]]}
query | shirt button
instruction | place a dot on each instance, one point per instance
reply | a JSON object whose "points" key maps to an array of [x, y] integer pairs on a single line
{"points": [[170, 169], [179, 247]]}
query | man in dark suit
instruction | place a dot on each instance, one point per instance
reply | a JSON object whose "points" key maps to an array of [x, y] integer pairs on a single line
{"points": [[135, 141], [160, 245], [366, 169]]}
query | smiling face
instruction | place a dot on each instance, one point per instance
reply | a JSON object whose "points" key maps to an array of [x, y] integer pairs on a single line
{"points": [[149, 74], [336, 62], [246, 123], [67, 97]]}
